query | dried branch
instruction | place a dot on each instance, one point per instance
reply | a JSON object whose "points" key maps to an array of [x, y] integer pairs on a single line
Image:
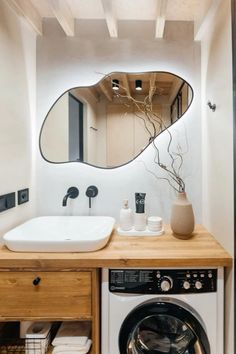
{"points": [[154, 125]]}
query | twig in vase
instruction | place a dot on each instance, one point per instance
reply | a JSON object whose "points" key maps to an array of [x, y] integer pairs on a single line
{"points": [[143, 110]]}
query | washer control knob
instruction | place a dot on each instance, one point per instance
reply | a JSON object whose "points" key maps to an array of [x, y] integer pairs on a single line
{"points": [[166, 284], [198, 285], [186, 285]]}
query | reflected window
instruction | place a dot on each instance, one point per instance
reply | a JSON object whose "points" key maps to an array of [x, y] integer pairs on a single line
{"points": [[181, 101], [76, 126]]}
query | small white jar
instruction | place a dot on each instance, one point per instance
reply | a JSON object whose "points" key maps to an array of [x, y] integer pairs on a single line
{"points": [[154, 223]]}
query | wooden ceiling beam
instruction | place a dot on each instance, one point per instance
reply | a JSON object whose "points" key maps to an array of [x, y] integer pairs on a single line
{"points": [[126, 84], [160, 18], [106, 91], [93, 95], [25, 9], [110, 18], [62, 12], [86, 93]]}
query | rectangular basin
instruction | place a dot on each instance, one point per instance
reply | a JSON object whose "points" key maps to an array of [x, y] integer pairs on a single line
{"points": [[60, 234]]}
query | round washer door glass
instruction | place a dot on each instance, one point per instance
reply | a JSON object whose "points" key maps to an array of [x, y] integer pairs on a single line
{"points": [[162, 328]]}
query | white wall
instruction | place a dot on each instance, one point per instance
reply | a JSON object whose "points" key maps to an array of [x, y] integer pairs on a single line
{"points": [[217, 137], [54, 139], [17, 110], [63, 63]]}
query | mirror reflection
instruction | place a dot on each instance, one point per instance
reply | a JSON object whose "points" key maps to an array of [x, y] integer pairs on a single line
{"points": [[109, 124]]}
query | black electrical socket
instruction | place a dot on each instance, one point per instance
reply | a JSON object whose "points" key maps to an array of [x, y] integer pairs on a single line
{"points": [[23, 196], [7, 201]]}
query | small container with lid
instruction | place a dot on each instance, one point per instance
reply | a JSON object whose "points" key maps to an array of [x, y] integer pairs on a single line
{"points": [[155, 223], [126, 216]]}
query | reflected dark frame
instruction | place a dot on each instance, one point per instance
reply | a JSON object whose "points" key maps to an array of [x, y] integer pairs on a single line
{"points": [[104, 77]]}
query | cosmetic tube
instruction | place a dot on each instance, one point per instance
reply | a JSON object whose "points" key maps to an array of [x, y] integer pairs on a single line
{"points": [[140, 216]]}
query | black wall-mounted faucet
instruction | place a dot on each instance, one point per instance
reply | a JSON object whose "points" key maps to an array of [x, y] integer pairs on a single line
{"points": [[72, 193], [91, 192]]}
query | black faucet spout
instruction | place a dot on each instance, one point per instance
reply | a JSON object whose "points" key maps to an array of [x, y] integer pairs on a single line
{"points": [[64, 202], [72, 193]]}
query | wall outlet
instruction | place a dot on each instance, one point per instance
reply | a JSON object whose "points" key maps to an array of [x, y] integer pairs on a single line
{"points": [[7, 201], [23, 196]]}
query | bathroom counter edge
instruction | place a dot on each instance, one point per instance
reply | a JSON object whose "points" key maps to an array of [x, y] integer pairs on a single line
{"points": [[202, 249]]}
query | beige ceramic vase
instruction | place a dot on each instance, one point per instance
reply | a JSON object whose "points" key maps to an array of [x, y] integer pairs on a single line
{"points": [[182, 218]]}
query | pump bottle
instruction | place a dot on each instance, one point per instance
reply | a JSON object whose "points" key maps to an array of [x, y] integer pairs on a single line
{"points": [[126, 216]]}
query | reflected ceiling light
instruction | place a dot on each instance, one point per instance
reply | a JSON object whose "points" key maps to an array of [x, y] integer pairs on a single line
{"points": [[115, 84], [138, 85]]}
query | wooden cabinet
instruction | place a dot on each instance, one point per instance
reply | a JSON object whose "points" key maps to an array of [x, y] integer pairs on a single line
{"points": [[69, 282], [52, 296]]}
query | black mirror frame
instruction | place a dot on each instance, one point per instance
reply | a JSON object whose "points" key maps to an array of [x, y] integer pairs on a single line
{"points": [[107, 75]]}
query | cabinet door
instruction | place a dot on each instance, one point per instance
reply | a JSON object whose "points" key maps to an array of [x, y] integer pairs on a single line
{"points": [[45, 295]]}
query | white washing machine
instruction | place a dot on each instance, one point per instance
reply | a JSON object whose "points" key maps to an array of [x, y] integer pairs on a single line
{"points": [[162, 311]]}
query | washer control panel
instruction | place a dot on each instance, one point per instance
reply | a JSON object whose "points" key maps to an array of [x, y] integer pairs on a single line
{"points": [[162, 281]]}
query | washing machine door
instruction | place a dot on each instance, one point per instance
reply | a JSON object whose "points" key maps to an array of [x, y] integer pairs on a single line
{"points": [[160, 327]]}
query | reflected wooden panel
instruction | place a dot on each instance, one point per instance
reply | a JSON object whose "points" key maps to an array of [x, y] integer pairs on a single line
{"points": [[105, 127]]}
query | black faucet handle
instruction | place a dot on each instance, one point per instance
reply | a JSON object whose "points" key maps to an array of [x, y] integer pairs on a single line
{"points": [[91, 192], [73, 192]]}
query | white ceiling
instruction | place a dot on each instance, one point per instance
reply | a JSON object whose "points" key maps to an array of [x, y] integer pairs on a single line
{"points": [[177, 10], [157, 12]]}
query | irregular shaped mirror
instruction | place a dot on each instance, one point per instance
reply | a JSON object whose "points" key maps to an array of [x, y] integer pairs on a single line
{"points": [[112, 122]]}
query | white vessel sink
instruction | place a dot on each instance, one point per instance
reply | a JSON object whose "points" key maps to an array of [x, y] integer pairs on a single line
{"points": [[60, 234]]}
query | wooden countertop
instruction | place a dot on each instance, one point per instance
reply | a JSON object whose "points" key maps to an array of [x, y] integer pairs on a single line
{"points": [[122, 251]]}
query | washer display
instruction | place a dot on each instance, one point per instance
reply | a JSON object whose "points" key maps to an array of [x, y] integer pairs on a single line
{"points": [[160, 311], [173, 281]]}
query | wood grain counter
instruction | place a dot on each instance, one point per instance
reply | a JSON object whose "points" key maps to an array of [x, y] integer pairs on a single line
{"points": [[121, 251]]}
